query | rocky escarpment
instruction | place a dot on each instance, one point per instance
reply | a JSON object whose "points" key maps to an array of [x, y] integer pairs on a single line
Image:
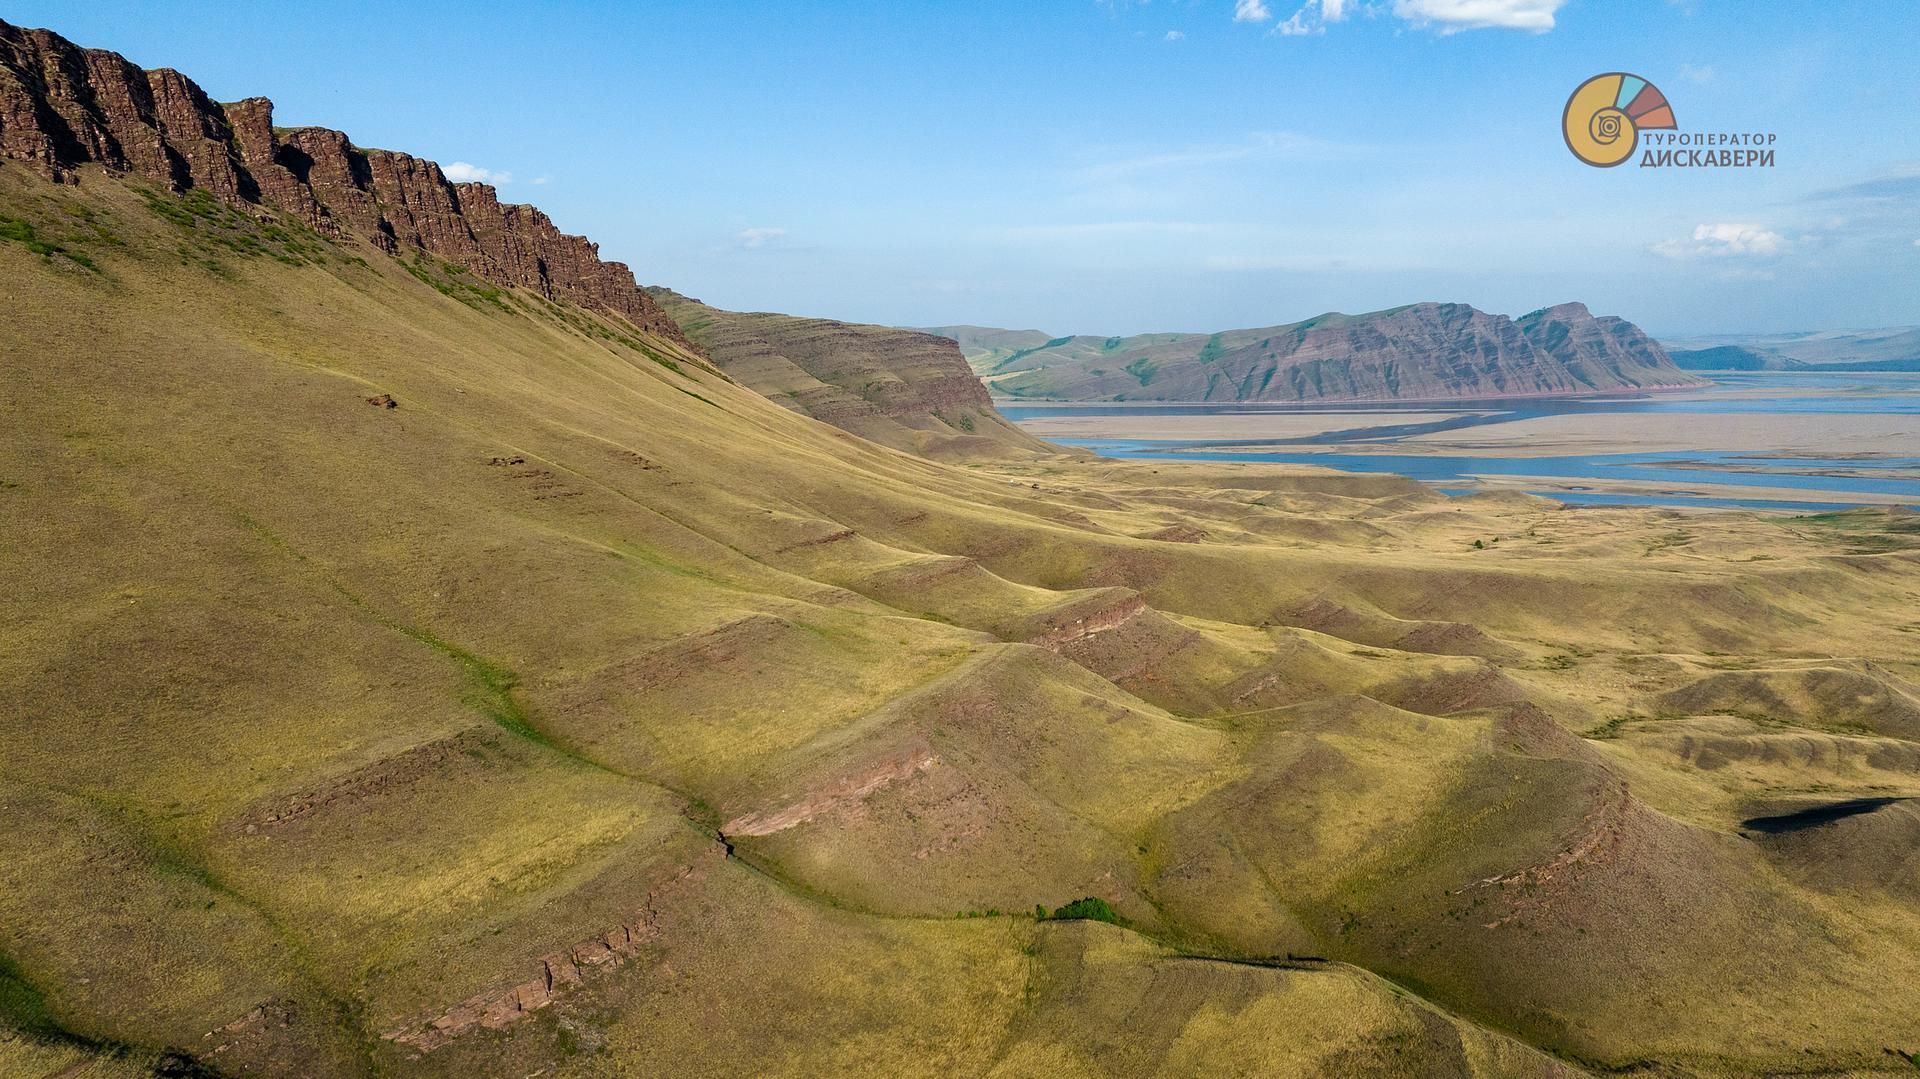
{"points": [[1602, 352], [1426, 351], [63, 107], [903, 388]]}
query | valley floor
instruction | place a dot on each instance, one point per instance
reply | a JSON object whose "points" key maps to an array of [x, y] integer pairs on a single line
{"points": [[1784, 441]]}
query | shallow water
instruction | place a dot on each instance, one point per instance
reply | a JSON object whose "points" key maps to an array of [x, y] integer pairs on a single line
{"points": [[1839, 395]]}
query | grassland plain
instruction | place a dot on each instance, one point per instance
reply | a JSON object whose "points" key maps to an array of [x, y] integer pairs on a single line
{"points": [[585, 711]]}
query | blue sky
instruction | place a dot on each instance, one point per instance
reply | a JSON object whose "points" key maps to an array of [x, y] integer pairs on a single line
{"points": [[1115, 167]]}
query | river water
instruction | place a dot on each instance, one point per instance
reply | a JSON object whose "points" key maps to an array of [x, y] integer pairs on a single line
{"points": [[1893, 470]]}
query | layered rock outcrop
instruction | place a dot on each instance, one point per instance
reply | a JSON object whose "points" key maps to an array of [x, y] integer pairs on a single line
{"points": [[1425, 351], [62, 107], [903, 388], [1602, 352]]}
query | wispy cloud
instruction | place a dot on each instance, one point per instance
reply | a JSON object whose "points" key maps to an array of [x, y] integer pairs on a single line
{"points": [[1442, 16], [1452, 16], [460, 172], [1724, 240], [1265, 263], [1697, 73], [1175, 35], [1260, 145], [759, 237], [1313, 17], [1902, 186], [1300, 22], [1875, 212]]}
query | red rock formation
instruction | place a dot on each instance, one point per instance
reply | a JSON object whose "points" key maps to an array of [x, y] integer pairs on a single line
{"points": [[1424, 351], [62, 107]]}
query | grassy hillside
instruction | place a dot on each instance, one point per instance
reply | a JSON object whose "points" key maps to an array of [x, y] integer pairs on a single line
{"points": [[901, 388], [986, 347], [407, 676]]}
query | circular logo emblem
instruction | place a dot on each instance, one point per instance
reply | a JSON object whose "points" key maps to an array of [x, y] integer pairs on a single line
{"points": [[1606, 114]]}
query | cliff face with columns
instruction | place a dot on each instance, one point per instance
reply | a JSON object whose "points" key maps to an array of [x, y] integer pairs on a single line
{"points": [[62, 106]]}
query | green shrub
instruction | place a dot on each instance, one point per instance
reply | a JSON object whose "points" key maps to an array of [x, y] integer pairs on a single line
{"points": [[1090, 908]]}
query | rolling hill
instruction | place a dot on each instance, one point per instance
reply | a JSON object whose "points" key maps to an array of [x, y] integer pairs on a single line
{"points": [[419, 658], [984, 347]]}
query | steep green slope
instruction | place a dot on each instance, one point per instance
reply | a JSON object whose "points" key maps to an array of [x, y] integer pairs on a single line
{"points": [[901, 388]]}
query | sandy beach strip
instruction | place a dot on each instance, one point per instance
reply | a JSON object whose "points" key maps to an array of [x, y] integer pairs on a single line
{"points": [[1809, 435], [1549, 485], [1229, 425]]}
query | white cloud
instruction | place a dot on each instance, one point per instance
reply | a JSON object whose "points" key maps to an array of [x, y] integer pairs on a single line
{"points": [[1299, 23], [541, 180], [1724, 240], [1251, 11], [1175, 35], [1313, 17], [462, 173], [1916, 243], [1450, 16], [1701, 73], [759, 237]]}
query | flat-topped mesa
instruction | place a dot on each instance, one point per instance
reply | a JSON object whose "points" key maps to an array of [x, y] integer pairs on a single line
{"points": [[62, 106]]}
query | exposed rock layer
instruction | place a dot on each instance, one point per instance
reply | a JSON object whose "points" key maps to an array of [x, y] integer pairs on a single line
{"points": [[1425, 351], [62, 106], [902, 388]]}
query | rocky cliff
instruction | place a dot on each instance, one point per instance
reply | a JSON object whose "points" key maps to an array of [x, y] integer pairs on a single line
{"points": [[1602, 352], [63, 107], [902, 388], [1426, 351]]}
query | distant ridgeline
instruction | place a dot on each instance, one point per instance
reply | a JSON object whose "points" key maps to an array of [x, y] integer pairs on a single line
{"points": [[1892, 349], [1423, 351], [62, 106]]}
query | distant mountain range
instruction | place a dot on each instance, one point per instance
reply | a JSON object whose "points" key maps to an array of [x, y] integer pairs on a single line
{"points": [[1892, 349], [1424, 351]]}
